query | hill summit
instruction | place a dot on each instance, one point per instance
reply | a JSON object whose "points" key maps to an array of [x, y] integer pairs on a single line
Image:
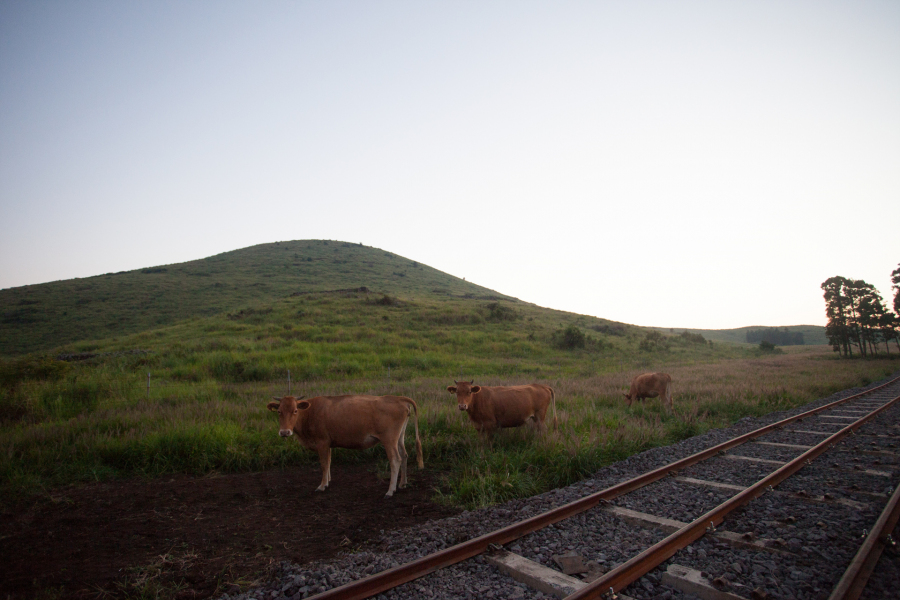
{"points": [[47, 315]]}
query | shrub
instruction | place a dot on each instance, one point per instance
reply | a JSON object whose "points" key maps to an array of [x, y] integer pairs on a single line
{"points": [[768, 347], [614, 329], [569, 338], [498, 312], [694, 338], [654, 340]]}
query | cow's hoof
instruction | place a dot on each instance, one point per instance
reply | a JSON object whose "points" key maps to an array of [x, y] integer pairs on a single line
{"points": [[321, 488], [389, 494]]}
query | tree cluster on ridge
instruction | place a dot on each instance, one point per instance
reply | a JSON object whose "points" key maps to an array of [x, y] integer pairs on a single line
{"points": [[857, 315]]}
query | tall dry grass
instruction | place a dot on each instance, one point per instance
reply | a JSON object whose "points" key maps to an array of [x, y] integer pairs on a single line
{"points": [[202, 427]]}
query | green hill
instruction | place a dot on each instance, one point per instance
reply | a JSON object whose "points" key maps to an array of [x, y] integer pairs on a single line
{"points": [[48, 315], [812, 335], [117, 305]]}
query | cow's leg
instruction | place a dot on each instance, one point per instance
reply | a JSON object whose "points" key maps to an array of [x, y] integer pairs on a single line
{"points": [[325, 461], [540, 419], [390, 446], [401, 450], [327, 483]]}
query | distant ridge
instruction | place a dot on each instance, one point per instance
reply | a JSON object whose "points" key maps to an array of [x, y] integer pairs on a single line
{"points": [[813, 335], [47, 315]]}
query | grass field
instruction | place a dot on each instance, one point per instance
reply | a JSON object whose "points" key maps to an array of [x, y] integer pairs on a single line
{"points": [[180, 385], [103, 425]]}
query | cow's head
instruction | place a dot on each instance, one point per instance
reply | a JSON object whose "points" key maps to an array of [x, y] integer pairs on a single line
{"points": [[464, 391], [289, 410]]}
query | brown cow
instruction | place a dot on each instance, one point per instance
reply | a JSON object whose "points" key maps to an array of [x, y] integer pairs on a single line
{"points": [[357, 422], [491, 408], [651, 385]]}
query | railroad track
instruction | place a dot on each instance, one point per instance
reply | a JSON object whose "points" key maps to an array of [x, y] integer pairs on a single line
{"points": [[799, 508]]}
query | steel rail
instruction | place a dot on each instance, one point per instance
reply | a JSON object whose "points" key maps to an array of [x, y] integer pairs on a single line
{"points": [[853, 582], [391, 578], [638, 566]]}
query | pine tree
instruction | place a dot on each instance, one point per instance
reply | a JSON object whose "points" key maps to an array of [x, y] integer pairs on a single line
{"points": [[891, 324], [837, 329], [895, 279], [890, 329], [871, 315], [856, 316]]}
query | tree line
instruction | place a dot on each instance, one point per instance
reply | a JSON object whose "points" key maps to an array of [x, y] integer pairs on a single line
{"points": [[858, 318], [773, 335]]}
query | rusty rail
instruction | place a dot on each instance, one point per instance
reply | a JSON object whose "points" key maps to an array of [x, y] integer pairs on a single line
{"points": [[853, 582], [625, 574], [391, 578]]}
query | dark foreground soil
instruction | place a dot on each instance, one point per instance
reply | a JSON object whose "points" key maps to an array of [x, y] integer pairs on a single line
{"points": [[195, 537]]}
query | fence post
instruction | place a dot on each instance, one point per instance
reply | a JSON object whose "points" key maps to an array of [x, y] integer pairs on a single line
{"points": [[289, 382], [148, 385]]}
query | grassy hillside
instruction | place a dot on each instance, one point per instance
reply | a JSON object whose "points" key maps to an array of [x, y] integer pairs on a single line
{"points": [[358, 334], [45, 316], [204, 410], [39, 317], [813, 335], [299, 307]]}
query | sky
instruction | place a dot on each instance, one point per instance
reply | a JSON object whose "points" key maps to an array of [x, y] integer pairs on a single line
{"points": [[699, 164]]}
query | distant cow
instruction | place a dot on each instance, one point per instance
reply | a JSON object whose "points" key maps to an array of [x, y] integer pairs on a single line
{"points": [[491, 408], [651, 385], [357, 422]]}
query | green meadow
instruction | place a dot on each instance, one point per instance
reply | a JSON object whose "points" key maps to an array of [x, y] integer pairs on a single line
{"points": [[189, 396]]}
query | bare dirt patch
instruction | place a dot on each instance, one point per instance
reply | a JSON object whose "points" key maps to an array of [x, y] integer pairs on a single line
{"points": [[195, 537]]}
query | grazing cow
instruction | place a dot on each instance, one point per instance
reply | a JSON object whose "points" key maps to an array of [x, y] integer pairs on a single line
{"points": [[651, 385], [357, 422], [491, 408]]}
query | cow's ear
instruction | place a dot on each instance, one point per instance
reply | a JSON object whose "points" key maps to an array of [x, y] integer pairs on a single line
{"points": [[476, 389], [451, 389], [303, 405], [273, 406]]}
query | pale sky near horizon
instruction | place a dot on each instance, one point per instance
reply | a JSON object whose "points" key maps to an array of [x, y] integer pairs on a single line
{"points": [[675, 164]]}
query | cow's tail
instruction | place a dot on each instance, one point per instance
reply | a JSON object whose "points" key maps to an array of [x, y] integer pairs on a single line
{"points": [[419, 460], [553, 402]]}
